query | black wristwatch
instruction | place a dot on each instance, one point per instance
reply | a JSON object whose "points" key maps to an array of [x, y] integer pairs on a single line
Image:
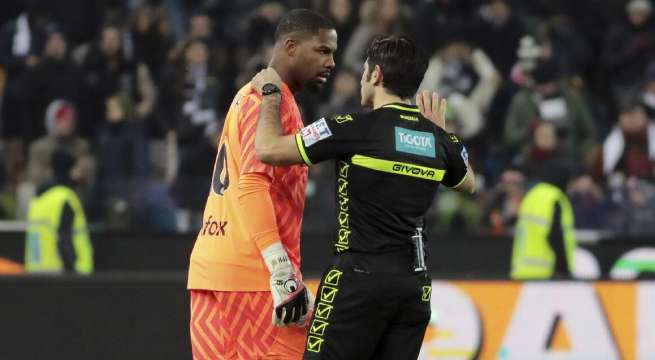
{"points": [[269, 89]]}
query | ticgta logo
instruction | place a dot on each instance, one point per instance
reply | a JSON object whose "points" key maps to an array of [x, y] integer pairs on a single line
{"points": [[415, 142]]}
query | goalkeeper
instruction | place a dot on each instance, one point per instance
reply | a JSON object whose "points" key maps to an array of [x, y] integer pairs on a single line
{"points": [[245, 265], [374, 301]]}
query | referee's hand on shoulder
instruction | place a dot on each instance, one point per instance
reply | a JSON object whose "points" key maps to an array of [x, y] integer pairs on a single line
{"points": [[266, 76]]}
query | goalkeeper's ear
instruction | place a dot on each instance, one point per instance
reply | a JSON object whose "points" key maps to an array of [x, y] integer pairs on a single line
{"points": [[290, 46]]}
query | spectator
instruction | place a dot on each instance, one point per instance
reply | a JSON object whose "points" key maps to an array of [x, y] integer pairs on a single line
{"points": [[494, 21], [60, 125], [529, 52], [592, 207], [21, 45], [625, 165], [565, 46], [378, 17], [630, 148], [189, 105], [106, 71], [629, 47], [594, 48], [434, 20], [638, 207], [262, 25], [151, 38], [227, 56], [544, 159], [55, 77], [200, 26], [648, 91], [254, 50], [504, 201], [544, 151], [468, 79], [122, 161], [152, 42], [552, 102]]}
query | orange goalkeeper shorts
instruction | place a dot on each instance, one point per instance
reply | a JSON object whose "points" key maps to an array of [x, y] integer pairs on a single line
{"points": [[237, 325]]}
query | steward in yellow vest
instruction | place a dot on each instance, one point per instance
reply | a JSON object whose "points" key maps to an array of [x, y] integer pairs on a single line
{"points": [[57, 237], [544, 241]]}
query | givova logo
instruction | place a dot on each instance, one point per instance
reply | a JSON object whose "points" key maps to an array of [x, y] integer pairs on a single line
{"points": [[415, 142]]}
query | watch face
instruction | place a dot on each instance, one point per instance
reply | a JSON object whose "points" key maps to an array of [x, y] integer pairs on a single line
{"points": [[269, 89]]}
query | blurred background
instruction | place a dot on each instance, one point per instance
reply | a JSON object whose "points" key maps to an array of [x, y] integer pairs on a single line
{"points": [[135, 93]]}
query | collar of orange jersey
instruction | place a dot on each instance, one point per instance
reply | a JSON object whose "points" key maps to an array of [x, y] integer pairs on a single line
{"points": [[401, 107], [286, 89]]}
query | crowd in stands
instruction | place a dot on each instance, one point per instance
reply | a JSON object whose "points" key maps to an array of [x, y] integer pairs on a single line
{"points": [[136, 91]]}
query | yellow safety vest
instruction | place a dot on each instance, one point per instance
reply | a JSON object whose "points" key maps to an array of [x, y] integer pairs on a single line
{"points": [[532, 256], [44, 217]]}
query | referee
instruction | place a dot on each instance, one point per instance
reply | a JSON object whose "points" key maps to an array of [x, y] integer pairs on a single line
{"points": [[374, 301]]}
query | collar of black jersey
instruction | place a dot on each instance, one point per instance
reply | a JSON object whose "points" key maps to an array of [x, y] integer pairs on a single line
{"points": [[401, 107]]}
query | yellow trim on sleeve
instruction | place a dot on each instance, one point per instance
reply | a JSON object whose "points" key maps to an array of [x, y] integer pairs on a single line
{"points": [[461, 181], [301, 150]]}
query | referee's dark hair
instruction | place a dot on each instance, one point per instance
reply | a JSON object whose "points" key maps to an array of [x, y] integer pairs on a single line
{"points": [[403, 64], [302, 20]]}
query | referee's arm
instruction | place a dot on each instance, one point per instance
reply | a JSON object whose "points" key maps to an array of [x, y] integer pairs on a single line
{"points": [[467, 185], [272, 146], [328, 139], [434, 108]]}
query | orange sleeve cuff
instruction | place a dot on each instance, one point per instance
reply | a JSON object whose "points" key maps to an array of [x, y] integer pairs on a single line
{"points": [[256, 204]]}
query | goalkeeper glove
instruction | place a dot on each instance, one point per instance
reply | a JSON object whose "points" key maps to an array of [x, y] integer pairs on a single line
{"points": [[291, 299]]}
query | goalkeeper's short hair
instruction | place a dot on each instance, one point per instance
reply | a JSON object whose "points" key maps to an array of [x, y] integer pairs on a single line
{"points": [[302, 21]]}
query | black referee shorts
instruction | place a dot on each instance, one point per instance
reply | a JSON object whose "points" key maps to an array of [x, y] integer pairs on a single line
{"points": [[369, 307]]}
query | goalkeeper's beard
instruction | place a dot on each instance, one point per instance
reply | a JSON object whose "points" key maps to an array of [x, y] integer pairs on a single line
{"points": [[314, 86]]}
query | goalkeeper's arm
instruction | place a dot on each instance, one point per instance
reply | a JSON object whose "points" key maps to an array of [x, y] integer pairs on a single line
{"points": [[291, 299]]}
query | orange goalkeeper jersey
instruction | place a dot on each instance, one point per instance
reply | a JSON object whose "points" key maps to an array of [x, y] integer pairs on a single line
{"points": [[226, 255]]}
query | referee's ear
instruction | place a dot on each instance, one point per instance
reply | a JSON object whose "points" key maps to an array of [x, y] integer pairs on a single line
{"points": [[376, 75]]}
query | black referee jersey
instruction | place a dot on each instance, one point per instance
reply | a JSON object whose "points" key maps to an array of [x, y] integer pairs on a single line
{"points": [[389, 163]]}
